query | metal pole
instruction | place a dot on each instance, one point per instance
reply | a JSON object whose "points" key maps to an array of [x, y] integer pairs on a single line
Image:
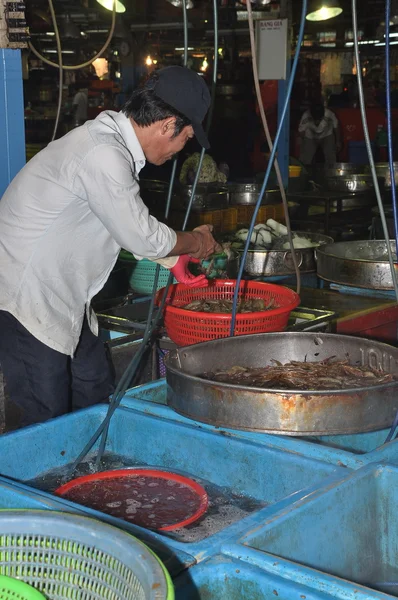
{"points": [[284, 143], [12, 126]]}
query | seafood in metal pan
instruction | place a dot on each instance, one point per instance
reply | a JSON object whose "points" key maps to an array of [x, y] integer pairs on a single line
{"points": [[225, 306], [328, 374]]}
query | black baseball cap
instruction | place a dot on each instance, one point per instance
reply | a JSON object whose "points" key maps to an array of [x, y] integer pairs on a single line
{"points": [[187, 92]]}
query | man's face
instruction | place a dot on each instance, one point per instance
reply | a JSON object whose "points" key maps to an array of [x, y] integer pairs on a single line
{"points": [[165, 146]]}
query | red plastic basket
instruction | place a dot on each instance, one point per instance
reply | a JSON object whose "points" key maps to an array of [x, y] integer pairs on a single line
{"points": [[186, 327]]}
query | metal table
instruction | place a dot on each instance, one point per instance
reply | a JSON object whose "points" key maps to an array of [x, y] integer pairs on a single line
{"points": [[327, 198], [362, 315]]}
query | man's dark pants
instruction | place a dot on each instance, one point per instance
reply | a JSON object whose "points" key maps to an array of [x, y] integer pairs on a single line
{"points": [[45, 383]]}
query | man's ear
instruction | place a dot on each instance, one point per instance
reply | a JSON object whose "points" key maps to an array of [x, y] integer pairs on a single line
{"points": [[168, 126]]}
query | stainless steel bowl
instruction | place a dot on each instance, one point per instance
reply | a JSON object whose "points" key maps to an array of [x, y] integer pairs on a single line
{"points": [[247, 194], [208, 196], [273, 263], [351, 183], [361, 264], [383, 172], [342, 169]]}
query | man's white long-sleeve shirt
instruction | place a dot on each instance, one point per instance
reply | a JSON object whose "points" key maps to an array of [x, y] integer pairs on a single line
{"points": [[63, 220]]}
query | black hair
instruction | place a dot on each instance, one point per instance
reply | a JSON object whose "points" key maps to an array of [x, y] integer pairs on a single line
{"points": [[146, 108], [317, 110]]}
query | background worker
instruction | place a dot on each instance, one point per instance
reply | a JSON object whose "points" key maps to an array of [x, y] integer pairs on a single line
{"points": [[80, 105], [64, 219], [319, 128]]}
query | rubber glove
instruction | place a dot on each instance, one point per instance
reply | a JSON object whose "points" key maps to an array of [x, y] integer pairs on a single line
{"points": [[183, 275]]}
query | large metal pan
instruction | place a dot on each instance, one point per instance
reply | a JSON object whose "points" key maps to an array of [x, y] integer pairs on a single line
{"points": [[383, 172], [295, 413], [351, 183], [342, 170], [273, 263], [362, 264], [247, 194]]}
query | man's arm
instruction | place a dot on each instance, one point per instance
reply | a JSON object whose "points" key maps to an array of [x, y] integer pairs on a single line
{"points": [[304, 123], [112, 192]]}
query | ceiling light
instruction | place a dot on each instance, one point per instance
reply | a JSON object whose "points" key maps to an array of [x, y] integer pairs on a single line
{"points": [[52, 51], [178, 3], [323, 10], [182, 49], [50, 32], [390, 44], [108, 4]]}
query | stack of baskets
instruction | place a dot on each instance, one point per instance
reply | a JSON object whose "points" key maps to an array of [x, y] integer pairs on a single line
{"points": [[142, 273], [64, 556]]}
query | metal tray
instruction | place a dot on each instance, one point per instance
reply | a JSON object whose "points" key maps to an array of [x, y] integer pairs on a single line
{"points": [[356, 264], [295, 413], [272, 263]]}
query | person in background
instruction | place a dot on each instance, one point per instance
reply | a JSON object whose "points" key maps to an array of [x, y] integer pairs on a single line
{"points": [[319, 128], [63, 220], [80, 105], [209, 173]]}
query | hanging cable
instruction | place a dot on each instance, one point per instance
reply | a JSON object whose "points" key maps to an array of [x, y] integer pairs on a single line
{"points": [[389, 125], [369, 146], [185, 20], [215, 69], [61, 73], [270, 164], [88, 62], [269, 141], [390, 160], [131, 371]]}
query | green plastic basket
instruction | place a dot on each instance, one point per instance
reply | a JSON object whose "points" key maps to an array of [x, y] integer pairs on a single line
{"points": [[142, 273], [69, 557], [13, 589]]}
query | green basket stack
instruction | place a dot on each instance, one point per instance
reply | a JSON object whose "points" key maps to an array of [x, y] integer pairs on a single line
{"points": [[13, 589], [142, 273]]}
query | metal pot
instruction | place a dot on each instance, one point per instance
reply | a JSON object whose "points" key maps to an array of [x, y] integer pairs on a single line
{"points": [[362, 264], [343, 170], [272, 263], [383, 172], [208, 196], [294, 412], [247, 194], [351, 183], [153, 192]]}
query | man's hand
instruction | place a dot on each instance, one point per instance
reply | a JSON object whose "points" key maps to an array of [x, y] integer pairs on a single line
{"points": [[199, 243], [207, 243], [183, 275]]}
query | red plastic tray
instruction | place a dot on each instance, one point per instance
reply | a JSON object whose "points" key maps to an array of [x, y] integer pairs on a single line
{"points": [[147, 497]]}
